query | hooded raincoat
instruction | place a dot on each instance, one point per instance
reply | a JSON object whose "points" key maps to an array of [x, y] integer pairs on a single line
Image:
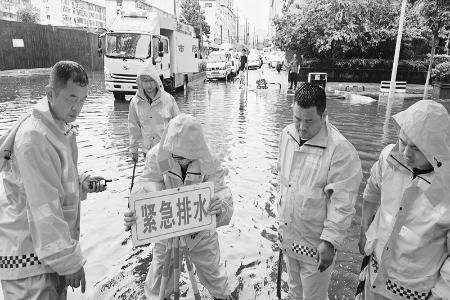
{"points": [[319, 186], [184, 137], [409, 238], [40, 196], [146, 122]]}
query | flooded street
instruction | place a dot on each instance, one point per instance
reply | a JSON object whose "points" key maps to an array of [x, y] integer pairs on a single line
{"points": [[244, 133]]}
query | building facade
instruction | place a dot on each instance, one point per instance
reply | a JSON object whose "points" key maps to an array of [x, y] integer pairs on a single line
{"points": [[9, 8], [221, 17], [113, 7], [73, 13]]}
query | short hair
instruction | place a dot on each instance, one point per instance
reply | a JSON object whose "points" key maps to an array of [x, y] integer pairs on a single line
{"points": [[64, 70], [309, 95]]}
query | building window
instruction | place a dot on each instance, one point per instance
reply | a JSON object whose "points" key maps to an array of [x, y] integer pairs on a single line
{"points": [[208, 4], [48, 17]]}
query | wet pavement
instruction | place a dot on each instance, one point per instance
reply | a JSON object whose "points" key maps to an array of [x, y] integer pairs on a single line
{"points": [[243, 131]]}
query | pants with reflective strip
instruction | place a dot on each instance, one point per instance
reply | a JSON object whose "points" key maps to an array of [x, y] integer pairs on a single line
{"points": [[306, 281], [39, 287]]}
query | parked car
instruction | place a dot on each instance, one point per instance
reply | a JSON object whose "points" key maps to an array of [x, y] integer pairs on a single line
{"points": [[218, 65], [277, 59], [254, 62], [235, 62]]}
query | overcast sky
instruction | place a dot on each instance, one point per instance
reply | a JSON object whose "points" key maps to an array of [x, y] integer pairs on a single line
{"points": [[256, 11]]}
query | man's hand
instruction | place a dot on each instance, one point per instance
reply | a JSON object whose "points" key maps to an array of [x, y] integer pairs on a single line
{"points": [[362, 241], [76, 279], [215, 206], [129, 219], [325, 255], [135, 157], [94, 184]]}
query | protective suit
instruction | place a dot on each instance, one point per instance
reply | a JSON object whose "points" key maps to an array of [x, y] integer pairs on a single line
{"points": [[40, 196], [318, 189], [146, 122], [184, 137], [409, 238]]}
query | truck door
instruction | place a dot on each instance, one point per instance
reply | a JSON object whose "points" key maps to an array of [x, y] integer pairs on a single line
{"points": [[155, 53], [165, 59]]}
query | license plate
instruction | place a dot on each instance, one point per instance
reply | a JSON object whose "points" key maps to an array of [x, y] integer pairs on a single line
{"points": [[215, 73]]}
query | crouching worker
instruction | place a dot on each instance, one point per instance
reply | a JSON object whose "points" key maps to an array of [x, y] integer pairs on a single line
{"points": [[40, 194], [150, 111], [408, 198], [183, 158]]}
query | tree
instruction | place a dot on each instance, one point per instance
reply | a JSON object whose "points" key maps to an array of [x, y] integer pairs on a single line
{"points": [[436, 16], [191, 14], [28, 14], [335, 29]]}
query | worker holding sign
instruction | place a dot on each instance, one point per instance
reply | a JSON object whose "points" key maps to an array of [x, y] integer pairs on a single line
{"points": [[183, 158]]}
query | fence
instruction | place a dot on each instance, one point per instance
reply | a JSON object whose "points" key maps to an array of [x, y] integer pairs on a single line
{"points": [[27, 46], [365, 75]]}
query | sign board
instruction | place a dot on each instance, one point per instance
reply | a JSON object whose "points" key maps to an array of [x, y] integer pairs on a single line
{"points": [[170, 213], [17, 43]]}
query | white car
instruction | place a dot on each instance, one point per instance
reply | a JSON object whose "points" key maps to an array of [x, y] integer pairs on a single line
{"points": [[235, 62], [254, 62], [277, 59], [218, 65]]}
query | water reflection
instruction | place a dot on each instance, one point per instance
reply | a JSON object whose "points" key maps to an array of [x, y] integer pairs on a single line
{"points": [[244, 132]]}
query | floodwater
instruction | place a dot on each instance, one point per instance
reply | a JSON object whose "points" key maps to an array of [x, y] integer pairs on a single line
{"points": [[244, 132]]}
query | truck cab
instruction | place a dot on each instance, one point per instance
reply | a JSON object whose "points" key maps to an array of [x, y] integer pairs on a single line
{"points": [[137, 39]]}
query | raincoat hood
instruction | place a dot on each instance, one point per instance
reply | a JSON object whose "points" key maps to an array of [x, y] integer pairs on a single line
{"points": [[151, 71], [7, 141], [184, 137], [427, 124]]}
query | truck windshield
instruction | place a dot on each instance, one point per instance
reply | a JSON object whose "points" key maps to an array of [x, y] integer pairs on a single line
{"points": [[216, 57], [128, 45]]}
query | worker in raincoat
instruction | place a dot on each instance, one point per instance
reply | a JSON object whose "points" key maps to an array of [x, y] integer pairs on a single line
{"points": [[150, 111], [408, 198], [183, 158], [320, 173], [40, 194]]}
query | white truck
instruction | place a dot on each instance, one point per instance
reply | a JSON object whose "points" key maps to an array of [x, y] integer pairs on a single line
{"points": [[137, 39]]}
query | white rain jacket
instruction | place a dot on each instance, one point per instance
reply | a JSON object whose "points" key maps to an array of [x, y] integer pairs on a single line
{"points": [[409, 237], [318, 189], [184, 137], [146, 123], [40, 198]]}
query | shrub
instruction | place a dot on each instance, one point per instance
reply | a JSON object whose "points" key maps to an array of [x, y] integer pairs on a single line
{"points": [[367, 63], [441, 73]]}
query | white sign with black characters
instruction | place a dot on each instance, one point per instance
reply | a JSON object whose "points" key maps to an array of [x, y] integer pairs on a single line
{"points": [[170, 213]]}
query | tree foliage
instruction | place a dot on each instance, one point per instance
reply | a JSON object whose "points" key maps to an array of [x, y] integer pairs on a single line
{"points": [[435, 18], [28, 14], [334, 29], [191, 14]]}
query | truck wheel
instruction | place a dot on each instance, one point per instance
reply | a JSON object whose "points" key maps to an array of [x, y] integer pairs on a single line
{"points": [[119, 96]]}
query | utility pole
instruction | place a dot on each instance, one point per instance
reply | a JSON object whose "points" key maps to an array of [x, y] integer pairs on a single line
{"points": [[245, 31], [201, 34], [221, 35], [394, 72], [237, 27], [397, 53], [175, 7]]}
